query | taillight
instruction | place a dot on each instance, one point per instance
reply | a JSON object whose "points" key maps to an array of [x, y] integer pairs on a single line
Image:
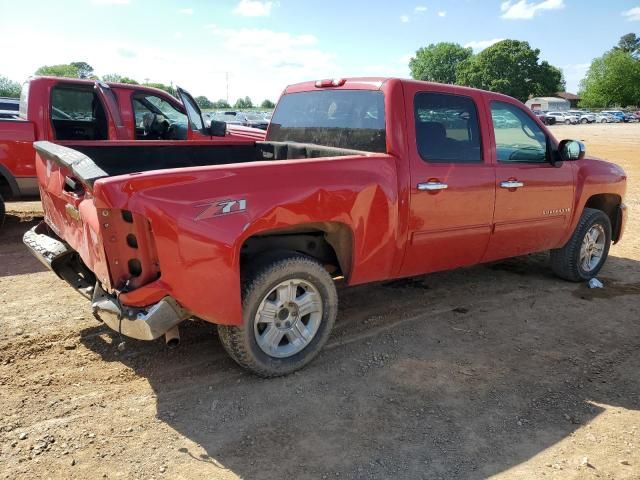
{"points": [[130, 249]]}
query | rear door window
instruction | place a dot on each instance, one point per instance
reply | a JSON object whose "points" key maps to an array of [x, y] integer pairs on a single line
{"points": [[351, 119], [78, 114], [447, 129]]}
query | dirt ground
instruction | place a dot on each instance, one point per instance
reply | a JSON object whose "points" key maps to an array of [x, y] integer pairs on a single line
{"points": [[498, 371]]}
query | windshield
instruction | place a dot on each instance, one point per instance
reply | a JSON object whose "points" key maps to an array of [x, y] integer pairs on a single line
{"points": [[352, 119]]}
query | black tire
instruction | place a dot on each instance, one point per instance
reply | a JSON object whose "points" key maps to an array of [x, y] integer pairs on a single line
{"points": [[240, 341], [565, 261], [567, 122], [584, 120], [2, 211]]}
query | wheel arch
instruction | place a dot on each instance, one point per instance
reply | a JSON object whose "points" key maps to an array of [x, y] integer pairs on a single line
{"points": [[328, 242], [609, 203], [8, 185]]}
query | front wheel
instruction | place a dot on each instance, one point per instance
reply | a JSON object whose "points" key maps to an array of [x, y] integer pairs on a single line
{"points": [[586, 251], [567, 122], [584, 120], [289, 308]]}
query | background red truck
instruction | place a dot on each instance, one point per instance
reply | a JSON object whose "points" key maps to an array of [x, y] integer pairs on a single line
{"points": [[64, 110], [368, 179]]}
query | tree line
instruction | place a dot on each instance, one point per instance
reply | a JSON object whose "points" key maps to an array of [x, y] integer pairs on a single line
{"points": [[10, 88], [511, 67], [514, 68]]}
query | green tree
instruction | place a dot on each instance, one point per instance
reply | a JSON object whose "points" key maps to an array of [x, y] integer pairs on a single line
{"points": [[115, 78], [84, 69], [203, 102], [511, 67], [629, 43], [438, 61], [612, 80], [242, 103], [267, 104], [9, 88], [62, 70], [167, 88], [222, 103]]}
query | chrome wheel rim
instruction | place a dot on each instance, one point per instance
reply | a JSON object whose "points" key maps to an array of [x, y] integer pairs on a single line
{"points": [[288, 318], [592, 248]]}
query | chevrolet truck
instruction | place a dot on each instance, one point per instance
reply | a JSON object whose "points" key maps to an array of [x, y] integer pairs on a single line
{"points": [[366, 179], [64, 110]]}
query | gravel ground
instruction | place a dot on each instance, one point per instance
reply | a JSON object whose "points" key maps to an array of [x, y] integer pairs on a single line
{"points": [[499, 371]]}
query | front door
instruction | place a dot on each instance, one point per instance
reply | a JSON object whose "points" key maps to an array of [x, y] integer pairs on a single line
{"points": [[534, 199], [452, 181]]}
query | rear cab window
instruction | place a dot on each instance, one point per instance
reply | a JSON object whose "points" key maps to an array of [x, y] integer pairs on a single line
{"points": [[350, 119], [447, 128], [77, 114]]}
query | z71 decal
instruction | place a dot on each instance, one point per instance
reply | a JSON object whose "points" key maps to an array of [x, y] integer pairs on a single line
{"points": [[217, 208]]}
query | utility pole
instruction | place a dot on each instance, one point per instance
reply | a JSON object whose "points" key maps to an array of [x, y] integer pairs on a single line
{"points": [[227, 75]]}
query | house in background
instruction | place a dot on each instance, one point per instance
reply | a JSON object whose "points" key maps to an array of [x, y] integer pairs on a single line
{"points": [[571, 97], [548, 104]]}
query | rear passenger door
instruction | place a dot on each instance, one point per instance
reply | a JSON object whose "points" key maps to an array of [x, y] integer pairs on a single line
{"points": [[452, 180], [534, 199]]}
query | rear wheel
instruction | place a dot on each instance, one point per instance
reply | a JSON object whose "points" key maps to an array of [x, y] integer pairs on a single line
{"points": [[586, 251], [584, 120], [2, 211], [289, 308], [567, 122]]}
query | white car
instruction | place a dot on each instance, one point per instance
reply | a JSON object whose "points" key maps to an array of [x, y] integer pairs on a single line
{"points": [[606, 118], [564, 117], [583, 117]]}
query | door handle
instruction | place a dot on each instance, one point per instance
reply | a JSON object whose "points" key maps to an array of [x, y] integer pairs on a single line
{"points": [[511, 184], [432, 186]]}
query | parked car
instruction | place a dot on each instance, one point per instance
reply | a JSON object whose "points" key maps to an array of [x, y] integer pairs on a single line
{"points": [[256, 120], [564, 117], [602, 117], [233, 118], [619, 114], [360, 180], [64, 110], [583, 117], [544, 118]]}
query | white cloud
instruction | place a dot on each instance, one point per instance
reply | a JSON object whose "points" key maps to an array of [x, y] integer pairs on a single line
{"points": [[420, 9], [404, 18], [523, 10], [442, 13], [186, 11], [479, 45], [110, 2], [253, 8], [633, 15]]}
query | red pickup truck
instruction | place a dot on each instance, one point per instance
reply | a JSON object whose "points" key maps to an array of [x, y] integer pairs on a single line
{"points": [[367, 179], [64, 110]]}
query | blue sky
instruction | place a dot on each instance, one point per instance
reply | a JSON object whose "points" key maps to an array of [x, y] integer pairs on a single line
{"points": [[264, 45]]}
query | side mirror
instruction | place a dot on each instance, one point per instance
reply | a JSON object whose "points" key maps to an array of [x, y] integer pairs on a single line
{"points": [[217, 128], [571, 150]]}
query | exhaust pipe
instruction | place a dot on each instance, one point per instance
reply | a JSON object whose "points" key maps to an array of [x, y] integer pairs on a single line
{"points": [[172, 337]]}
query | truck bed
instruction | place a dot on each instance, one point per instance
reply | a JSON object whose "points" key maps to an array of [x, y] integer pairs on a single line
{"points": [[93, 162]]}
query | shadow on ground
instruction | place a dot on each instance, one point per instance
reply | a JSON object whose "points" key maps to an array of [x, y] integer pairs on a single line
{"points": [[15, 258], [456, 375]]}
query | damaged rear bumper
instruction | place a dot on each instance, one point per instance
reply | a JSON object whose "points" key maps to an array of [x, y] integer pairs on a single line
{"points": [[146, 323]]}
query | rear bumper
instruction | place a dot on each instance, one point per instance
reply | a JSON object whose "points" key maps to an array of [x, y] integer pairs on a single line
{"points": [[142, 323]]}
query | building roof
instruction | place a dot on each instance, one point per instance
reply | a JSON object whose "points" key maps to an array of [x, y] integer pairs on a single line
{"points": [[568, 96]]}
